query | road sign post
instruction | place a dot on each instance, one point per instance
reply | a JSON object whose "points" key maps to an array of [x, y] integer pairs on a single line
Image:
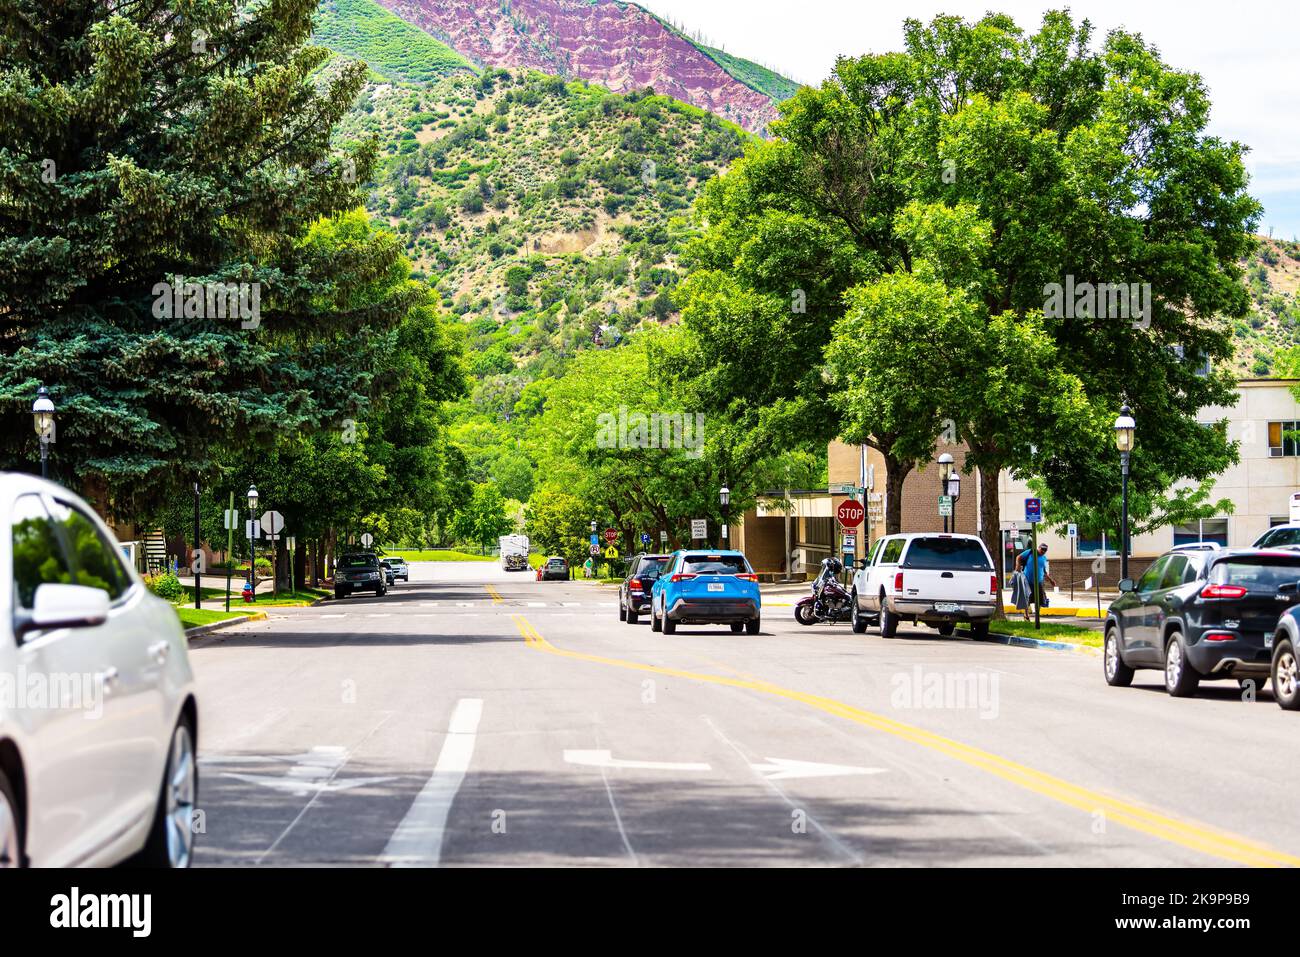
{"points": [[1034, 515], [232, 519], [1072, 532]]}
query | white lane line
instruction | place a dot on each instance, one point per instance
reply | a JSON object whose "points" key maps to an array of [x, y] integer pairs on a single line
{"points": [[429, 604], [382, 615], [613, 806], [465, 604], [572, 604], [339, 615], [417, 842], [537, 604]]}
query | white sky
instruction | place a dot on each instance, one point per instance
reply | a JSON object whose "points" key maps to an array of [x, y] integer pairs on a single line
{"points": [[1248, 53]]}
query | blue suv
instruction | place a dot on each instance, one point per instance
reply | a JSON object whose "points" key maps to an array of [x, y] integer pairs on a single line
{"points": [[698, 587]]}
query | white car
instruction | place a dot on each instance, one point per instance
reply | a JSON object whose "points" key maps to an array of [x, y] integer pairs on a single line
{"points": [[936, 579], [98, 717]]}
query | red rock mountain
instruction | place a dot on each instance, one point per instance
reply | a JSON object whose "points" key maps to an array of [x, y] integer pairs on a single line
{"points": [[620, 46]]}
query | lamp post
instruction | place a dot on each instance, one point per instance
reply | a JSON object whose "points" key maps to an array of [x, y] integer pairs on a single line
{"points": [[252, 538], [724, 497], [954, 493], [43, 419], [945, 472], [1124, 429]]}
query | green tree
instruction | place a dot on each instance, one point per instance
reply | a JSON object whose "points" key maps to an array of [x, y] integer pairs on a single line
{"points": [[483, 519]]}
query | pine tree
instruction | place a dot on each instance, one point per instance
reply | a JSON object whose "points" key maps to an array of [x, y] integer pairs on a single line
{"points": [[154, 155]]}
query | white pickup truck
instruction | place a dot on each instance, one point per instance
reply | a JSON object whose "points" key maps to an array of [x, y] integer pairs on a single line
{"points": [[938, 580]]}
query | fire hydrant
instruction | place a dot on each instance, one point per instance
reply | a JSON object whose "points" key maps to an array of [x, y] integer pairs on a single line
{"points": [[248, 591]]}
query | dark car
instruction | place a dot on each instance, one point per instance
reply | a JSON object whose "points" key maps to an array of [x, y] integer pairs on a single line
{"points": [[389, 577], [1201, 616], [359, 571], [555, 569], [634, 593], [400, 569]]}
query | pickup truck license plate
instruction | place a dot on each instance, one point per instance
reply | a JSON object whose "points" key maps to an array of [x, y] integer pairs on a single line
{"points": [[715, 586], [946, 606]]}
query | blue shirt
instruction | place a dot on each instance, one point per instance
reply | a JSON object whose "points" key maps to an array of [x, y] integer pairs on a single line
{"points": [[1030, 562]]}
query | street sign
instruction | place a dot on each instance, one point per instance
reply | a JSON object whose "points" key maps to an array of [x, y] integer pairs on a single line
{"points": [[611, 552], [367, 540], [843, 488], [699, 528], [1033, 510], [1072, 530], [611, 534], [595, 549], [1087, 583], [663, 537], [850, 543], [645, 538], [273, 522], [850, 514], [290, 541], [252, 530], [945, 506], [595, 539], [231, 518], [1295, 507]]}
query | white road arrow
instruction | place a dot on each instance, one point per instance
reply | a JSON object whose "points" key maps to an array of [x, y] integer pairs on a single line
{"points": [[604, 759], [778, 769]]}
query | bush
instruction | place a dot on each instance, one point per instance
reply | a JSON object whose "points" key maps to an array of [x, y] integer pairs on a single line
{"points": [[166, 586]]}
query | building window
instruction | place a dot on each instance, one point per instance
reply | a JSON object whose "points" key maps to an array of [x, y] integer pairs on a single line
{"points": [[1206, 530], [1106, 545], [1275, 520], [1282, 439]]}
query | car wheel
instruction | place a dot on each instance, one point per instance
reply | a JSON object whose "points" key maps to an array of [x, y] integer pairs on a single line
{"points": [[11, 826], [670, 626], [339, 594], [632, 617], [1118, 674], [654, 620], [857, 619], [171, 839], [946, 628], [888, 622], [752, 626], [979, 630], [1286, 681], [737, 627], [622, 612], [1181, 679]]}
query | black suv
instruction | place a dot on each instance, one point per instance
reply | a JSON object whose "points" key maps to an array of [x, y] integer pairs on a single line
{"points": [[359, 571], [1201, 616], [634, 592]]}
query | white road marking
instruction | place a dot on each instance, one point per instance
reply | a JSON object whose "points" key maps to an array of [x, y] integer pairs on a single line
{"points": [[417, 842], [537, 604], [572, 604], [338, 615], [778, 769], [465, 604], [601, 758], [382, 615]]}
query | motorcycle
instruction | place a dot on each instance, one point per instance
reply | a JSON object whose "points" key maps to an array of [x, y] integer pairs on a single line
{"points": [[829, 600]]}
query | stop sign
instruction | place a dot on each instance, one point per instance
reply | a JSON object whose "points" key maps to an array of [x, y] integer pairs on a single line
{"points": [[611, 534], [850, 514]]}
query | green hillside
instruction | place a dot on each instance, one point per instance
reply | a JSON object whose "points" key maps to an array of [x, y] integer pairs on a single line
{"points": [[751, 74], [393, 48], [1273, 278], [548, 215]]}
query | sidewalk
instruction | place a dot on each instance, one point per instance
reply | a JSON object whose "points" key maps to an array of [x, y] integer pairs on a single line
{"points": [[1084, 604], [265, 589]]}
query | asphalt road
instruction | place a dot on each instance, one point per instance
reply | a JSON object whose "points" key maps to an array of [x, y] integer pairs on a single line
{"points": [[475, 717]]}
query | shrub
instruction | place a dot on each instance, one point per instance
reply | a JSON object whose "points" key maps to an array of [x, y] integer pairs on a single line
{"points": [[166, 586]]}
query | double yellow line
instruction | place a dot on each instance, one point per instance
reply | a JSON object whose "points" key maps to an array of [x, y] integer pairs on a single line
{"points": [[1188, 834], [496, 595]]}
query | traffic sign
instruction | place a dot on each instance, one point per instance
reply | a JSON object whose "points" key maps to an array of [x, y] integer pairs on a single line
{"points": [[367, 539], [611, 534], [843, 488], [611, 552], [595, 539], [945, 506], [252, 530], [699, 528], [663, 537], [850, 514], [231, 518], [1033, 510], [272, 522], [850, 543], [595, 549], [1072, 530], [645, 538]]}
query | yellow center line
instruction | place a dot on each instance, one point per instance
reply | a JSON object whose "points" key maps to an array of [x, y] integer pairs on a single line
{"points": [[496, 596], [1188, 834]]}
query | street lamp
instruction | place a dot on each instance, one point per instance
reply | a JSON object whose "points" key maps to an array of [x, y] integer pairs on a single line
{"points": [[945, 472], [724, 497], [1124, 429], [252, 540], [43, 419]]}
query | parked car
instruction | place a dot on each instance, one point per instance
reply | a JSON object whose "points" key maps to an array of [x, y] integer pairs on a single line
{"points": [[73, 791], [555, 569], [401, 571], [1279, 536], [1284, 668], [1201, 616], [634, 592], [927, 578], [1196, 547], [359, 571], [389, 578], [706, 588]]}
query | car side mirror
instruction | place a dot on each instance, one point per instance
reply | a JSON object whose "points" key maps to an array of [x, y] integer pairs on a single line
{"points": [[1127, 584], [864, 563], [64, 606]]}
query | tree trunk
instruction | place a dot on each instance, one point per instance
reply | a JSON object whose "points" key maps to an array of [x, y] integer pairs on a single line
{"points": [[896, 472], [991, 526]]}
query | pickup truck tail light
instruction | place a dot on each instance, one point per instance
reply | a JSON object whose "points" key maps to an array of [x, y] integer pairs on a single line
{"points": [[1223, 591], [681, 577], [898, 582]]}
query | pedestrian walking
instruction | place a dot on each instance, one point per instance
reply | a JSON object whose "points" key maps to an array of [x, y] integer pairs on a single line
{"points": [[1035, 568]]}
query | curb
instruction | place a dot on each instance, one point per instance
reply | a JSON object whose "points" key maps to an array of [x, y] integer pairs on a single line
{"points": [[200, 630], [1061, 612], [1020, 641]]}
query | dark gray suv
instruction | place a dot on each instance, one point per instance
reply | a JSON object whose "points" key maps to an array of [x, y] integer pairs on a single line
{"points": [[359, 571]]}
